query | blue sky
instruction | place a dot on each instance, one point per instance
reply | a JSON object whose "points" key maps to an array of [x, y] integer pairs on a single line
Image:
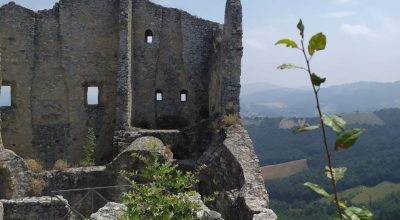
{"points": [[362, 37]]}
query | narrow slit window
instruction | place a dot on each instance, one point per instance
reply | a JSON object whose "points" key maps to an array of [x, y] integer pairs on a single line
{"points": [[184, 95], [149, 37], [159, 95], [5, 97], [92, 95]]}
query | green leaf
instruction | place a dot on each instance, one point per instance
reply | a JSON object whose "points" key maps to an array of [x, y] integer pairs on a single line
{"points": [[338, 173], [348, 138], [335, 122], [342, 205], [289, 66], [300, 26], [316, 80], [311, 51], [317, 189], [305, 127], [355, 213], [317, 43], [288, 43]]}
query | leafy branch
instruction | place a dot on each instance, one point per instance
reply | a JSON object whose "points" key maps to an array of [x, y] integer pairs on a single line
{"points": [[345, 138]]}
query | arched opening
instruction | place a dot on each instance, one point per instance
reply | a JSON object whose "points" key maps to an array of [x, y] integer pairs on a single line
{"points": [[6, 184], [184, 95], [148, 36], [159, 95]]}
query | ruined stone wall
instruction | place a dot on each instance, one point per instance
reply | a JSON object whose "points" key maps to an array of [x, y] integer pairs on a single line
{"points": [[17, 47], [49, 58], [90, 46], [45, 208], [225, 68], [176, 60], [52, 56]]}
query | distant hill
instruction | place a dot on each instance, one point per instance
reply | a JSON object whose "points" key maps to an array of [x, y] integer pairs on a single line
{"points": [[364, 195], [251, 88], [275, 101]]}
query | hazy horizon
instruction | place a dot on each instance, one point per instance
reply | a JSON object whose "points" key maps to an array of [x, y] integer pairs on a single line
{"points": [[361, 37], [309, 85]]}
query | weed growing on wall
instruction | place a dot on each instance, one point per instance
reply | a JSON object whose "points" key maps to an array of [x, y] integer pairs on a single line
{"points": [[36, 186], [88, 149], [34, 165], [61, 165], [345, 139], [231, 119]]}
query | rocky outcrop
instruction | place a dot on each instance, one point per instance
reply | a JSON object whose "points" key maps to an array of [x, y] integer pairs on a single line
{"points": [[110, 211], [144, 146], [205, 213], [233, 172], [13, 174]]}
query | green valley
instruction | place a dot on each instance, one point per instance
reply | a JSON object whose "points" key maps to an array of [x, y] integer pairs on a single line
{"points": [[373, 165]]}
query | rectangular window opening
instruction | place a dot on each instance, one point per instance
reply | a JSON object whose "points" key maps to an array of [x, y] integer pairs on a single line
{"points": [[5, 97], [92, 95], [159, 96], [149, 39], [183, 97]]}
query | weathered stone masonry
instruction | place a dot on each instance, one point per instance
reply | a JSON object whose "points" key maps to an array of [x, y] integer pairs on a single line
{"points": [[161, 72], [51, 56]]}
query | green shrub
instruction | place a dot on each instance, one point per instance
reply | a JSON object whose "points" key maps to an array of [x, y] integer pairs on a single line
{"points": [[166, 195], [88, 149]]}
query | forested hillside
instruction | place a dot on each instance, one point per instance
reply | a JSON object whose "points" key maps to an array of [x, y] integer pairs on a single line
{"points": [[374, 159]]}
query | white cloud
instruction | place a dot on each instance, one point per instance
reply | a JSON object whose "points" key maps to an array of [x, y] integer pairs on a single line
{"points": [[358, 30], [260, 37], [255, 43], [341, 14]]}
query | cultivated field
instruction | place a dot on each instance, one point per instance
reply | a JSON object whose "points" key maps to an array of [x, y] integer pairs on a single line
{"points": [[282, 170]]}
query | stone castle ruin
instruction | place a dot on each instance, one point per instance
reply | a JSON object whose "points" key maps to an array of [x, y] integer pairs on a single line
{"points": [[157, 73]]}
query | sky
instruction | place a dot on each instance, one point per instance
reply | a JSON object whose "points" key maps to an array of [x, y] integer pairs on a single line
{"points": [[362, 37]]}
